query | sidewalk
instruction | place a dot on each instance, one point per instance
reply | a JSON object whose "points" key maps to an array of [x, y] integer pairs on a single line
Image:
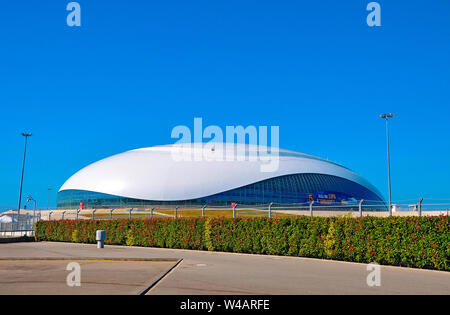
{"points": [[200, 273]]}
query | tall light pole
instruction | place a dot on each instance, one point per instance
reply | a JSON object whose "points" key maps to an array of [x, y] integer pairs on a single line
{"points": [[48, 197], [387, 117], [26, 135]]}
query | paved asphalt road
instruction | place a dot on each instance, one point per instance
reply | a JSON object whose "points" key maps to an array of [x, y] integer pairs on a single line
{"points": [[198, 273]]}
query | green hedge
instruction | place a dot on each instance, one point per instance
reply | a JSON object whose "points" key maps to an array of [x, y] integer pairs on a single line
{"points": [[421, 242]]}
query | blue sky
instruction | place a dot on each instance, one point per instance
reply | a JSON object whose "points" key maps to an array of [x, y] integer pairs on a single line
{"points": [[136, 69]]}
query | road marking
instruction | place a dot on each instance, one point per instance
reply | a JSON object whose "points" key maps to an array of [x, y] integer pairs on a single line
{"points": [[160, 278]]}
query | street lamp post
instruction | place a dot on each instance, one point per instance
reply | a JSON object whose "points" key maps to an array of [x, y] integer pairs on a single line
{"points": [[29, 198], [26, 135], [387, 117]]}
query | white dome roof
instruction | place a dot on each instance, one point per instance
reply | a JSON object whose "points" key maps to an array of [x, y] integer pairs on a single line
{"points": [[156, 173]]}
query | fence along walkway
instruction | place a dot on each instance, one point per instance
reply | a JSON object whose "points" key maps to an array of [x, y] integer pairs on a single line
{"points": [[359, 208], [14, 224]]}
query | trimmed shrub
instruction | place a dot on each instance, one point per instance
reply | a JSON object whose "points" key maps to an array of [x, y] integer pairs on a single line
{"points": [[421, 242]]}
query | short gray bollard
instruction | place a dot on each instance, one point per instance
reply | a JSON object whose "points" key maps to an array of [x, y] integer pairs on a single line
{"points": [[100, 238]]}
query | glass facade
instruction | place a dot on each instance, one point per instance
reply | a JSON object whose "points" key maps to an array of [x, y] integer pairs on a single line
{"points": [[296, 188]]}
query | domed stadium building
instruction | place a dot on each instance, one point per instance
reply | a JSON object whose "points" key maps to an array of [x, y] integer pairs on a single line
{"points": [[195, 175]]}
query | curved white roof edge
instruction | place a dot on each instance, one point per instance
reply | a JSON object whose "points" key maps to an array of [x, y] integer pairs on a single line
{"points": [[190, 171]]}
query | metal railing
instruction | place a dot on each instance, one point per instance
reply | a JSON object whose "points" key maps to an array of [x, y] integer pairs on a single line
{"points": [[313, 208], [22, 223], [18, 224]]}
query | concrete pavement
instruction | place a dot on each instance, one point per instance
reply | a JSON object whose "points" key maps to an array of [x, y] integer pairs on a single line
{"points": [[97, 276], [205, 273]]}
